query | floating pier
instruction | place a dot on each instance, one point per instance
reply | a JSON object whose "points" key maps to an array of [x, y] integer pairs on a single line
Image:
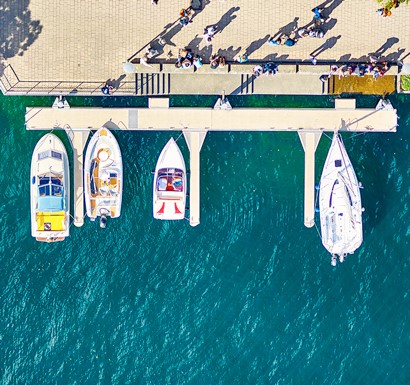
{"points": [[309, 140], [196, 122], [194, 141], [78, 140]]}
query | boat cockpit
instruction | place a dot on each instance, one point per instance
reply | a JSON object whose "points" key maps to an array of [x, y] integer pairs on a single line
{"points": [[170, 180]]}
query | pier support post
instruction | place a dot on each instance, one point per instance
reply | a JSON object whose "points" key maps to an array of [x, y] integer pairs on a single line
{"points": [[309, 141], [194, 141], [78, 140]]}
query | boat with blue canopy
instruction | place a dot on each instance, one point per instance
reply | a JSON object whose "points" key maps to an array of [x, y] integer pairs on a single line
{"points": [[50, 190]]}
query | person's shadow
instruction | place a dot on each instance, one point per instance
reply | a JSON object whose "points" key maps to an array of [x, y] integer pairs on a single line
{"points": [[329, 43], [255, 45], [388, 44], [229, 53], [287, 29], [329, 6], [394, 56], [328, 25], [226, 19]]}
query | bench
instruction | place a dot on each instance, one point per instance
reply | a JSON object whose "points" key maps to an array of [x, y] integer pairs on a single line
{"points": [[241, 68], [169, 68], [287, 68], [142, 69], [314, 69], [206, 69]]}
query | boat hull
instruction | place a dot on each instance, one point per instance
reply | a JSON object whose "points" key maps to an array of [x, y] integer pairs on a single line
{"points": [[169, 187], [50, 190], [340, 202], [103, 176]]}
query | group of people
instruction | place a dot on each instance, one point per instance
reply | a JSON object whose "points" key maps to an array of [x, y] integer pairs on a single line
{"points": [[266, 70], [186, 59], [375, 68], [316, 30], [217, 61]]}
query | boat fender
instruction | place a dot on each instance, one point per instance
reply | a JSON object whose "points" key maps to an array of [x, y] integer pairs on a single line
{"points": [[103, 221]]}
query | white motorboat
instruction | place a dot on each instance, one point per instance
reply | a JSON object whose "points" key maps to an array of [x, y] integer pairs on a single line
{"points": [[169, 195], [103, 177], [340, 203], [50, 190]]}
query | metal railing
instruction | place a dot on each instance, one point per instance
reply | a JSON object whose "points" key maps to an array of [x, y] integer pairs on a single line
{"points": [[10, 84]]}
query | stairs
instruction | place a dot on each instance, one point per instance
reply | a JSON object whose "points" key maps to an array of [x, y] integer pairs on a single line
{"points": [[152, 84], [247, 84]]}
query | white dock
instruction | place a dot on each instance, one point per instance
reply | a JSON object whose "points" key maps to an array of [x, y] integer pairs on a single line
{"points": [[196, 122], [78, 140], [208, 119], [309, 140], [194, 141]]}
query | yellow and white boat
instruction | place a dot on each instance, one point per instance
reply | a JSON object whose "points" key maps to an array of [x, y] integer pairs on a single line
{"points": [[50, 190], [103, 177]]}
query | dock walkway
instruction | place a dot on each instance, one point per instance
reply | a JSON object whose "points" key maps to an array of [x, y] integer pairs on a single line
{"points": [[196, 122], [208, 119]]}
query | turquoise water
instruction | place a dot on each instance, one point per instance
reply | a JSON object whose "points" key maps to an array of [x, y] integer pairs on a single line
{"points": [[247, 297]]}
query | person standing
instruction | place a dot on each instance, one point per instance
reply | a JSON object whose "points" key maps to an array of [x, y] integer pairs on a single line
{"points": [[318, 14]]}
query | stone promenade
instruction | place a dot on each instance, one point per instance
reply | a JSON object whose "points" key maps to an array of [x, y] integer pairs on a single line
{"points": [[88, 41]]}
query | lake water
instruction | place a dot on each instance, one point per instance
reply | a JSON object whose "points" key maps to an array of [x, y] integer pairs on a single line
{"points": [[247, 297]]}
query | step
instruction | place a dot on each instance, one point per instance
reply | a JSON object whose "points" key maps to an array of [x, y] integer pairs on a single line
{"points": [[152, 83], [247, 84]]}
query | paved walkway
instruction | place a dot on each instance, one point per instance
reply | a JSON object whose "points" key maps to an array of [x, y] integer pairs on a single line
{"points": [[78, 41]]}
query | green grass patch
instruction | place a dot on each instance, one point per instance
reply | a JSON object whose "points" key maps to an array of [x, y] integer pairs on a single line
{"points": [[405, 82], [390, 4]]}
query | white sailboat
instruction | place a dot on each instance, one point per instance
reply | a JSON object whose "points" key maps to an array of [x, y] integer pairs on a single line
{"points": [[340, 203], [50, 190], [103, 183], [169, 192]]}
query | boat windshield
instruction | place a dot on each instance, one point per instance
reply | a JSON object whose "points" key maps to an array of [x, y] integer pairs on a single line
{"points": [[50, 186], [50, 154], [170, 179]]}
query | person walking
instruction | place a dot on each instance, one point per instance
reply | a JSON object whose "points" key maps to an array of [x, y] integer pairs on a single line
{"points": [[318, 14]]}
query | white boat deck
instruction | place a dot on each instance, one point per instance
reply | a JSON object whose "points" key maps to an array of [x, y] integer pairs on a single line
{"points": [[196, 122]]}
